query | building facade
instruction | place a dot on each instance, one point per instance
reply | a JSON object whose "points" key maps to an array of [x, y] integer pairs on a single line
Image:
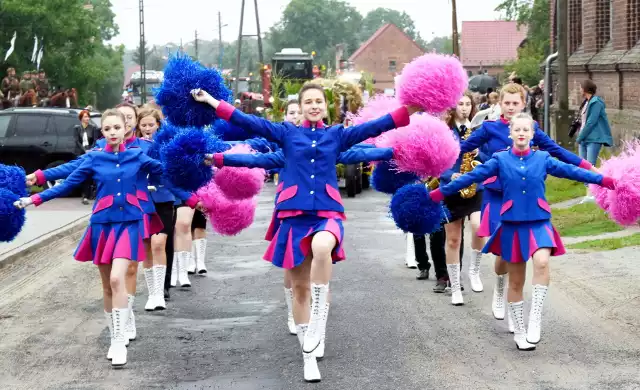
{"points": [[385, 54], [604, 46]]}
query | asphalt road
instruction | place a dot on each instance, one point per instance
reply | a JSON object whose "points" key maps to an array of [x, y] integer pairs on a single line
{"points": [[386, 330]]}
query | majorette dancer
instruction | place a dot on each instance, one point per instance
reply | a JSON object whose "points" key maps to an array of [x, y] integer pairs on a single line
{"points": [[525, 230], [493, 136], [465, 204], [116, 229], [164, 196], [357, 154], [309, 205]]}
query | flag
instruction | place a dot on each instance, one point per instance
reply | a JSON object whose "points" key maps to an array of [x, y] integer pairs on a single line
{"points": [[40, 54], [13, 45], [35, 49]]}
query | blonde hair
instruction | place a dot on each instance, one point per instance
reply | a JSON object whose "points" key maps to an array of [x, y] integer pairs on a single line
{"points": [[494, 96], [513, 88], [522, 115], [145, 112], [113, 112]]}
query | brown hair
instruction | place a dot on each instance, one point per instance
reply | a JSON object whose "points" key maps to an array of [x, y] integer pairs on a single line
{"points": [[308, 87], [589, 87], [513, 88], [83, 113], [145, 112], [493, 96], [451, 115], [131, 106], [290, 102], [113, 112]]}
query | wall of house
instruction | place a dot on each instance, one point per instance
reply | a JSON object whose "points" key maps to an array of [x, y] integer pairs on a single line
{"points": [[392, 44]]}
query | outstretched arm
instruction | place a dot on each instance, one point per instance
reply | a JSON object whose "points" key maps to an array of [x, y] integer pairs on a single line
{"points": [[479, 174], [545, 143], [260, 126], [82, 173], [356, 134], [478, 138], [264, 160], [568, 171], [40, 177], [357, 155]]}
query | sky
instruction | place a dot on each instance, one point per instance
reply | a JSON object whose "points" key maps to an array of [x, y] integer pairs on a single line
{"points": [[171, 20]]}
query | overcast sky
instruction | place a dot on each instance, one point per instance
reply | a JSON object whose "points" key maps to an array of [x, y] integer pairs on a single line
{"points": [[172, 20]]}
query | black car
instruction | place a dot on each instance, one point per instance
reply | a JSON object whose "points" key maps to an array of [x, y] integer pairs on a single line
{"points": [[39, 138]]}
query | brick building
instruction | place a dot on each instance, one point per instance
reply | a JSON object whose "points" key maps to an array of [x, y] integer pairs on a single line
{"points": [[490, 45], [604, 46], [385, 54]]}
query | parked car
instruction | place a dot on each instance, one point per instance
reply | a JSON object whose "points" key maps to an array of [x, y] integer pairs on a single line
{"points": [[39, 138]]}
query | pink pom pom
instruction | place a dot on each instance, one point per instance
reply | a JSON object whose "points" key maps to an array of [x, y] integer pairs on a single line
{"points": [[623, 203], [432, 82], [240, 183], [227, 217], [377, 107], [426, 147]]}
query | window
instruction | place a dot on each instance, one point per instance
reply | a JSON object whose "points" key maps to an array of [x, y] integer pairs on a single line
{"points": [[575, 25], [65, 125], [31, 125], [633, 14], [392, 65], [603, 22], [4, 124]]}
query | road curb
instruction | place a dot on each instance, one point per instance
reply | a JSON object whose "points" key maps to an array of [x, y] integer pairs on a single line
{"points": [[43, 241]]}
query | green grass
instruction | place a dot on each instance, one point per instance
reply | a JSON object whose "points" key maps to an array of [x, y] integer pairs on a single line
{"points": [[583, 220], [559, 190], [608, 244]]}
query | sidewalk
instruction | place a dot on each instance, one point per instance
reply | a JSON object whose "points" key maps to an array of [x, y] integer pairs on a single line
{"points": [[53, 219]]}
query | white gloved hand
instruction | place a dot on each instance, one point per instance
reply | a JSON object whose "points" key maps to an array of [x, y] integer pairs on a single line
{"points": [[23, 202]]}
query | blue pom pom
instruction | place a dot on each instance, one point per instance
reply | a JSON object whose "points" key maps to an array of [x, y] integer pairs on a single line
{"points": [[228, 132], [261, 145], [13, 178], [165, 134], [183, 158], [11, 218], [388, 180], [181, 75], [414, 212]]}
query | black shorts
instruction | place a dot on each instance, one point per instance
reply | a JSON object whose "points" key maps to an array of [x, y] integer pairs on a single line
{"points": [[165, 212], [460, 207], [199, 221]]}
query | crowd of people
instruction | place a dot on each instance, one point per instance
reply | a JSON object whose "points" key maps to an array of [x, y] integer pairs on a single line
{"points": [[34, 90], [139, 216]]}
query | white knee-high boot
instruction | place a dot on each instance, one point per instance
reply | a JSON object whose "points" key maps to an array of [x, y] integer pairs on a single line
{"points": [[535, 316], [130, 325], [200, 246], [151, 288], [313, 336], [319, 352], [311, 371], [118, 346], [456, 289], [109, 317], [498, 303], [288, 298], [410, 256], [191, 263], [183, 258], [519, 331], [174, 271], [474, 271], [159, 273]]}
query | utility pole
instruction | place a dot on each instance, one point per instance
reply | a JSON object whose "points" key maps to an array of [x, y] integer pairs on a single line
{"points": [[220, 40], [237, 72], [143, 56], [240, 36], [563, 118], [255, 3], [455, 38], [196, 45]]}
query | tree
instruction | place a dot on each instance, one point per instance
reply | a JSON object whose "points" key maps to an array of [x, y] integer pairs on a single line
{"points": [[74, 53], [442, 45], [381, 16], [137, 52], [317, 25], [535, 14]]}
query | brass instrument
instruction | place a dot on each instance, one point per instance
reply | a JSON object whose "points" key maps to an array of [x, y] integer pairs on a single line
{"points": [[468, 164], [433, 184]]}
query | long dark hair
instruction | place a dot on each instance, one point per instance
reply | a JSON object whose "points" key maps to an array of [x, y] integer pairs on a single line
{"points": [[451, 114]]}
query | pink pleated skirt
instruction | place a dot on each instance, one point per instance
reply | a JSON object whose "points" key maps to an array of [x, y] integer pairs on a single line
{"points": [[103, 242], [517, 242]]}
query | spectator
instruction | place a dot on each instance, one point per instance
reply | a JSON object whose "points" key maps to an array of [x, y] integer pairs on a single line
{"points": [[86, 136], [595, 130]]}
